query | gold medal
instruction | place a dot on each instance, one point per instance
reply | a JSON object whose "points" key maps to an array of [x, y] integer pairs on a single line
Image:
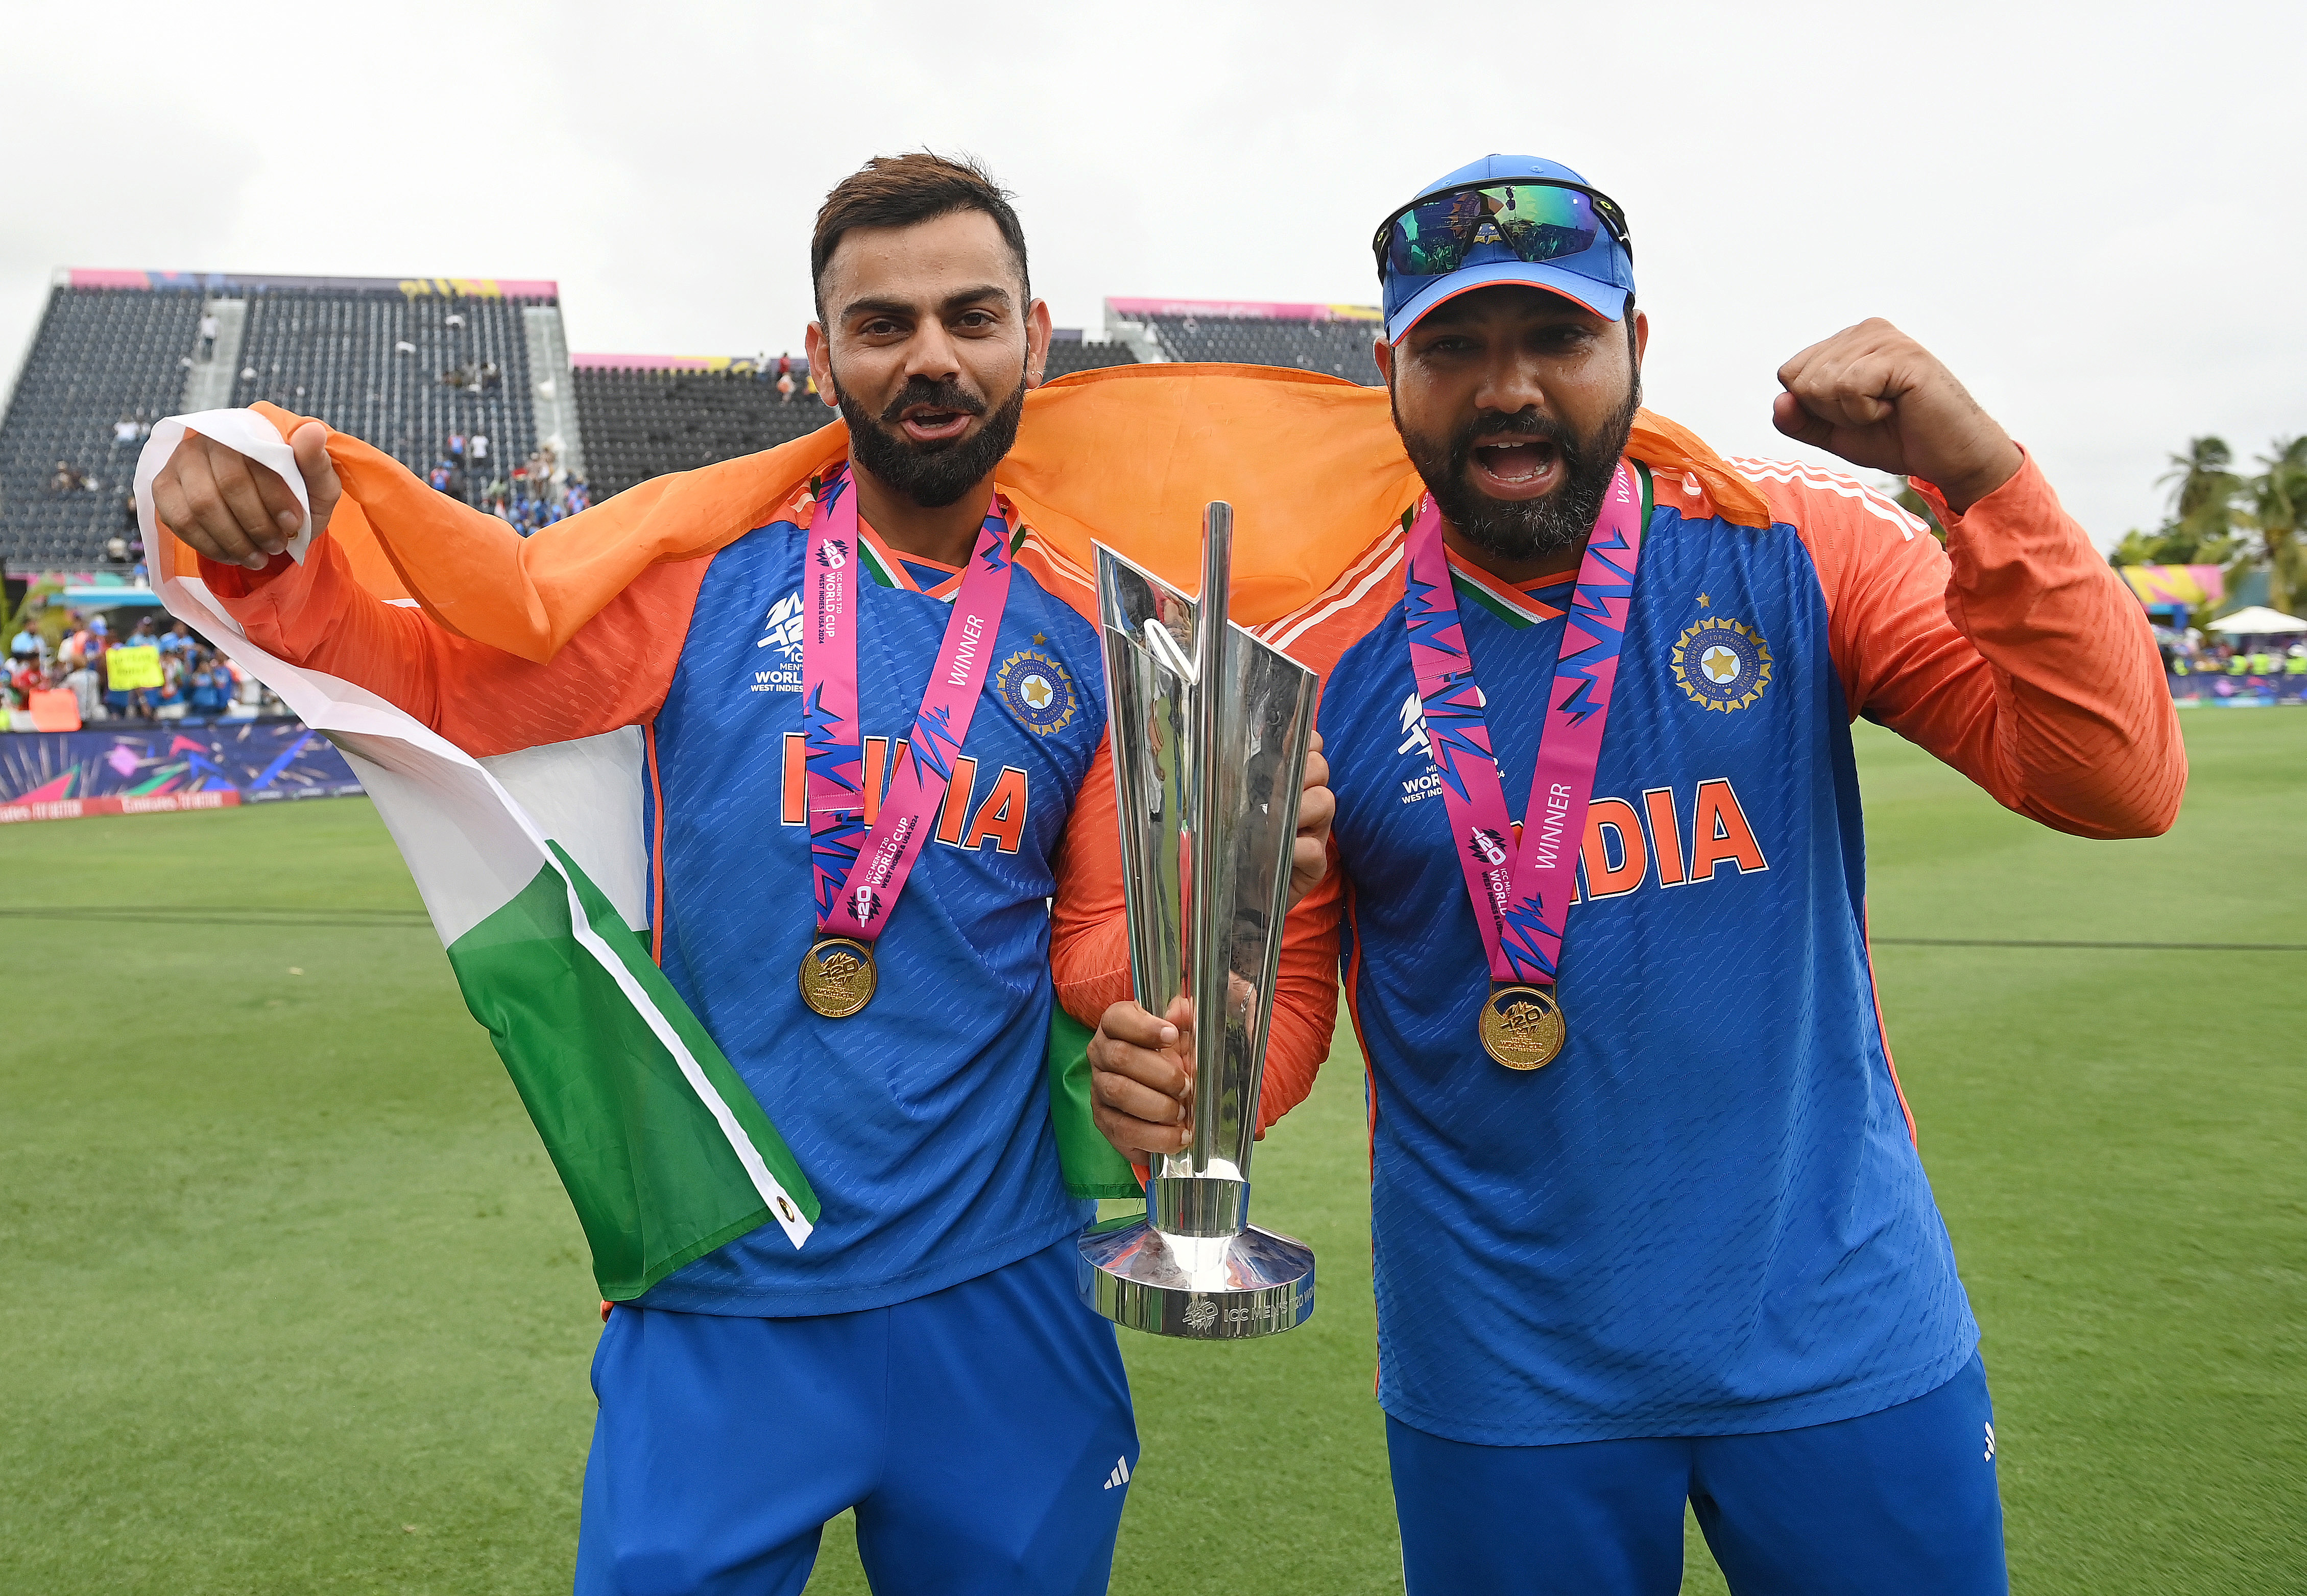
{"points": [[1523, 1027], [838, 977]]}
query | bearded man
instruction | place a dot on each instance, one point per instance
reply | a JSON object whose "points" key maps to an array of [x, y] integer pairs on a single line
{"points": [[1650, 1223], [875, 752]]}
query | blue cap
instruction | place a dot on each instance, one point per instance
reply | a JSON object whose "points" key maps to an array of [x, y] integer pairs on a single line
{"points": [[1600, 277]]}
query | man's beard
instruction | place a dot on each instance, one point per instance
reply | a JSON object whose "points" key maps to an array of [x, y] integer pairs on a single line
{"points": [[932, 474], [1524, 528]]}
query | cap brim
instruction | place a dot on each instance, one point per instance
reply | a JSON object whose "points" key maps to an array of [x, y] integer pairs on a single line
{"points": [[1604, 299]]}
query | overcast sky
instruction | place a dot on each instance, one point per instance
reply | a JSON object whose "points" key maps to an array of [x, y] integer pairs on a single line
{"points": [[2096, 215]]}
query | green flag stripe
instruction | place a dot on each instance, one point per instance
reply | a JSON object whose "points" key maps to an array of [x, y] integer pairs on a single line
{"points": [[654, 1153], [770, 1164]]}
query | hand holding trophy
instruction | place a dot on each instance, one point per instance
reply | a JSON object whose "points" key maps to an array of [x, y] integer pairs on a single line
{"points": [[1211, 730]]}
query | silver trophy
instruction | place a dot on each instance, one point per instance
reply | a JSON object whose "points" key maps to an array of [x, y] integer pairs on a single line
{"points": [[1210, 729]]}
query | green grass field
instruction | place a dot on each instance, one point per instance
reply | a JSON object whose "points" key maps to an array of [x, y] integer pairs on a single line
{"points": [[295, 1304]]}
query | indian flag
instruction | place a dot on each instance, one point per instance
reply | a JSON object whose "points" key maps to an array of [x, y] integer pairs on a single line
{"points": [[531, 865]]}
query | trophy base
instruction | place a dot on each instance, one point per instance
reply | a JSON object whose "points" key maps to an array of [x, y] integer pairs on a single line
{"points": [[1202, 1288]]}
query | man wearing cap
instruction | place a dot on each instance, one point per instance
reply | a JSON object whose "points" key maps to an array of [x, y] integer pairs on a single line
{"points": [[1650, 1222]]}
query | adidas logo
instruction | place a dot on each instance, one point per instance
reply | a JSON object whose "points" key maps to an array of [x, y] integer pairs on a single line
{"points": [[1120, 1475]]}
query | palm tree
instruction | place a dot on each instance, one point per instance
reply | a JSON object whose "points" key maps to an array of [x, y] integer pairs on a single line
{"points": [[2203, 512], [2279, 495]]}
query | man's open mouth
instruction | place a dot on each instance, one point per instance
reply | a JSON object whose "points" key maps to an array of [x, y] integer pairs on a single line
{"points": [[929, 423], [1516, 467]]}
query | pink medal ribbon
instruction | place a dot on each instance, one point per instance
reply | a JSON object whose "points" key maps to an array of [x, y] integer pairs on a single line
{"points": [[857, 874], [1521, 893]]}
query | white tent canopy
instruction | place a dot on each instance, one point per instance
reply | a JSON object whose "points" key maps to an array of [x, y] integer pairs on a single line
{"points": [[2257, 621]]}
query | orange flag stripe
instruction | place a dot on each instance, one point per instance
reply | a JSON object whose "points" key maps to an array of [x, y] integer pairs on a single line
{"points": [[1129, 455]]}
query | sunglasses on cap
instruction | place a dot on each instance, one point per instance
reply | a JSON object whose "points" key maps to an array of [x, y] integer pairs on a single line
{"points": [[1539, 220]]}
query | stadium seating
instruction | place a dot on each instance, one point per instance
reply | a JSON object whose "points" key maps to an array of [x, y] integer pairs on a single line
{"points": [[367, 356], [371, 363], [99, 355], [1340, 347], [640, 422], [1071, 355]]}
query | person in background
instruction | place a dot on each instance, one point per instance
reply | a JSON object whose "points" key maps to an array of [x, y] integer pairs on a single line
{"points": [[439, 477], [26, 644], [478, 451], [86, 691], [784, 388], [207, 338], [580, 495], [123, 432], [457, 448], [168, 699]]}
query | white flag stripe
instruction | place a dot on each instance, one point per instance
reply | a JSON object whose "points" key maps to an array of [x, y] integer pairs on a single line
{"points": [[470, 846]]}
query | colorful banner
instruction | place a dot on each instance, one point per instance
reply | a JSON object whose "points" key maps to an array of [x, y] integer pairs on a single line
{"points": [[683, 362], [2194, 586], [1244, 310], [461, 287], [230, 762]]}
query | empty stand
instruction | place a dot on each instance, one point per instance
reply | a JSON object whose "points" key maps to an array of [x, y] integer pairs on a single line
{"points": [[641, 422], [99, 355], [372, 364], [1338, 346], [367, 356], [1071, 355]]}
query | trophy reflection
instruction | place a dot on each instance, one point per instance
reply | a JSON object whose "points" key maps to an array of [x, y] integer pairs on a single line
{"points": [[1210, 729]]}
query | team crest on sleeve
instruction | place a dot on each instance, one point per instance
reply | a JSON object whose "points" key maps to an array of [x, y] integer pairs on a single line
{"points": [[1037, 689], [1721, 664]]}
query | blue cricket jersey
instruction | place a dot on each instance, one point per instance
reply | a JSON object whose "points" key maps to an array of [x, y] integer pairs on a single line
{"points": [[1708, 1215], [923, 1122]]}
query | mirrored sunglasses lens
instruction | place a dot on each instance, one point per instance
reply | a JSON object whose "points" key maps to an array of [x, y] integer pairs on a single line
{"points": [[1429, 240], [1541, 222]]}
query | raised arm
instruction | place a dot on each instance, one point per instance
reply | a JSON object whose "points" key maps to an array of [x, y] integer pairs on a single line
{"points": [[2014, 654], [236, 515]]}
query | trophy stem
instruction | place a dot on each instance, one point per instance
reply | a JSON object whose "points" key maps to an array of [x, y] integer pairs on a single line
{"points": [[1212, 884]]}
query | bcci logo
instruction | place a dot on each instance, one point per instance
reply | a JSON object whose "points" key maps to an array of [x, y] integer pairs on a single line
{"points": [[1037, 689], [1721, 664], [780, 671]]}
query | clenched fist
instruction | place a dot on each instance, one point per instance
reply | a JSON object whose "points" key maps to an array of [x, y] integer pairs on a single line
{"points": [[236, 511], [1878, 399]]}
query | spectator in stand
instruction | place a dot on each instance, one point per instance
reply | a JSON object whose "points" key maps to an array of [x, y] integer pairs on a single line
{"points": [[123, 432], [208, 689], [439, 477], [580, 495], [208, 337], [87, 692], [63, 479], [168, 699], [784, 388], [26, 644], [25, 678], [784, 365], [479, 450], [457, 448]]}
